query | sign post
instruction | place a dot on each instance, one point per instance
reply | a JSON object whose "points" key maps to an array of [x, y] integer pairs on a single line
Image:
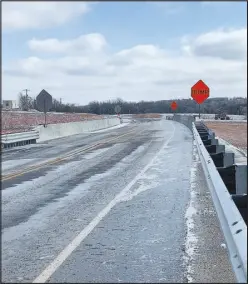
{"points": [[200, 92], [117, 109], [44, 102]]}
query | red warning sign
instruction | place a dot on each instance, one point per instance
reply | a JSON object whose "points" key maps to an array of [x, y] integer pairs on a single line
{"points": [[200, 92], [174, 105]]}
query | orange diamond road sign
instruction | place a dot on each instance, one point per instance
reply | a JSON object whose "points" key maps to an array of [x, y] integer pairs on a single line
{"points": [[174, 105], [200, 92]]}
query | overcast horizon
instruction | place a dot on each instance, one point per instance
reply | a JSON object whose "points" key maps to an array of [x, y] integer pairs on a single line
{"points": [[85, 51]]}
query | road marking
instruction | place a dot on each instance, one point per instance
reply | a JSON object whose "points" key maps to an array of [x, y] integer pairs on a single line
{"points": [[53, 266], [66, 156]]}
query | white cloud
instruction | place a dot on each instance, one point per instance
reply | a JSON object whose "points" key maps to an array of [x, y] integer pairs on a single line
{"points": [[39, 15], [145, 72], [210, 4], [85, 43], [226, 44], [137, 55], [169, 8]]}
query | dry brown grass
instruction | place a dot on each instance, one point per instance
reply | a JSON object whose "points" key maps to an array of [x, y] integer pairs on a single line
{"points": [[14, 121], [90, 116], [148, 115], [234, 133]]}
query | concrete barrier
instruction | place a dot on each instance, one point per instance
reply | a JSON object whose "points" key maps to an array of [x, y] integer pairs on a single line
{"points": [[53, 131], [187, 120]]}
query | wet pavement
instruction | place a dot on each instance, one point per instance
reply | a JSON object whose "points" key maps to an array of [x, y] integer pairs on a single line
{"points": [[112, 214]]}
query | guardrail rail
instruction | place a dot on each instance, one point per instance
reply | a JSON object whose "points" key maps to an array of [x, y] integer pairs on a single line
{"points": [[227, 183], [19, 139]]}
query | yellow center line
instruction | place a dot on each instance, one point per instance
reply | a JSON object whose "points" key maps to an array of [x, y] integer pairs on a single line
{"points": [[68, 155]]}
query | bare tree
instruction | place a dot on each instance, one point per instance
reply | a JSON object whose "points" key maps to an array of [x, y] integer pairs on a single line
{"points": [[25, 102], [21, 100]]}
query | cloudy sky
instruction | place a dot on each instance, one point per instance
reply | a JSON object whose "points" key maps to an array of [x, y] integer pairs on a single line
{"points": [[84, 51]]}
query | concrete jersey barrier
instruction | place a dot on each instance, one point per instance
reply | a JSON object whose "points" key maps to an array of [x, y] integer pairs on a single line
{"points": [[184, 119], [53, 131]]}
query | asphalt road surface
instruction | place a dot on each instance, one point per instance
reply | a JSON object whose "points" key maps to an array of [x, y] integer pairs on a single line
{"points": [[107, 207]]}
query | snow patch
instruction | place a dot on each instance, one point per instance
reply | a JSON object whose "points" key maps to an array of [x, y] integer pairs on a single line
{"points": [[150, 180], [129, 195], [223, 246], [191, 239]]}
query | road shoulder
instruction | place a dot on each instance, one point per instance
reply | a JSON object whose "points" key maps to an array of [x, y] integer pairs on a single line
{"points": [[206, 252]]}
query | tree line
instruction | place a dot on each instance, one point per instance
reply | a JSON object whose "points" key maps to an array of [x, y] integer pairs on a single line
{"points": [[211, 105]]}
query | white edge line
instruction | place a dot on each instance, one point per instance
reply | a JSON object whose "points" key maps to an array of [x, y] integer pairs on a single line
{"points": [[66, 252]]}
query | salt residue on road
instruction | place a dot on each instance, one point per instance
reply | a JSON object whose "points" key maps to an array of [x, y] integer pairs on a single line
{"points": [[11, 166], [124, 195], [95, 153], [110, 128], [191, 239], [7, 165]]}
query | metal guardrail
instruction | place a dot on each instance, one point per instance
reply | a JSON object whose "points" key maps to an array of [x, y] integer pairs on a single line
{"points": [[20, 138], [233, 225]]}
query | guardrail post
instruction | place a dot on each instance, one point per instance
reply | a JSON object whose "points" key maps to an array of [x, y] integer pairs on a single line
{"points": [[231, 207], [222, 160], [228, 159], [211, 141], [228, 176], [215, 149], [241, 179], [241, 202]]}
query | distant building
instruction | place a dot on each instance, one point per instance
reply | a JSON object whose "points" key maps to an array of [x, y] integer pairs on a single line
{"points": [[10, 104]]}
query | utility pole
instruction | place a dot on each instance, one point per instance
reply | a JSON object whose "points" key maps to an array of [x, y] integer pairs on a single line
{"points": [[26, 90], [26, 103]]}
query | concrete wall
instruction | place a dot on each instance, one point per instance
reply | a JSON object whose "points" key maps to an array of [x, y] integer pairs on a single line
{"points": [[206, 116], [187, 120], [52, 131]]}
